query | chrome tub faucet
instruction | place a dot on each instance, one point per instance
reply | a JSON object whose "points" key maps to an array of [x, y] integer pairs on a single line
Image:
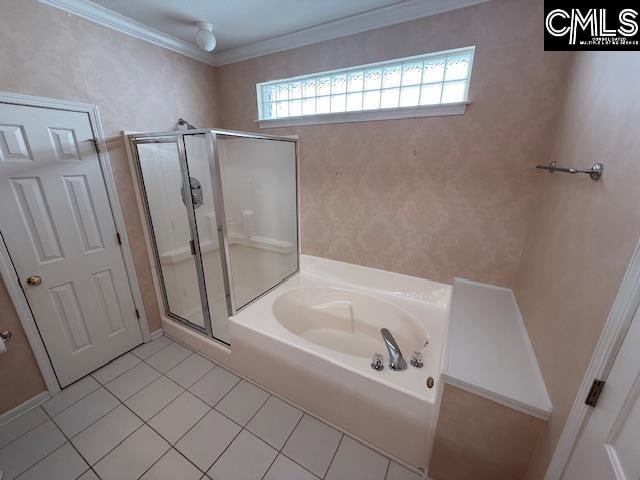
{"points": [[396, 360]]}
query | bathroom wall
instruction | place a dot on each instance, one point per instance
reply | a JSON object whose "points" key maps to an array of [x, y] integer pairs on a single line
{"points": [[583, 233], [137, 86], [19, 372], [435, 197], [480, 439]]}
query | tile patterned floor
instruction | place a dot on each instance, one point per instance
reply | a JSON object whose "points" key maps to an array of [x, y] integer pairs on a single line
{"points": [[163, 412]]}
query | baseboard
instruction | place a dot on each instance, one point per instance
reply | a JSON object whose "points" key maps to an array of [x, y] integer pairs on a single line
{"points": [[157, 334], [23, 408]]}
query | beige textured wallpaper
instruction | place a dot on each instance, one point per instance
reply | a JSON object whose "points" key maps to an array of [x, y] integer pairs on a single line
{"points": [[434, 197], [136, 85], [582, 233]]}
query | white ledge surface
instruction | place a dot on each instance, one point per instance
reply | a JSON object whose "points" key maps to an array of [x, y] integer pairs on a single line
{"points": [[368, 116], [488, 351]]}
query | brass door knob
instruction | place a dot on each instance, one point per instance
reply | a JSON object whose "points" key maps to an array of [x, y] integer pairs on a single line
{"points": [[34, 280]]}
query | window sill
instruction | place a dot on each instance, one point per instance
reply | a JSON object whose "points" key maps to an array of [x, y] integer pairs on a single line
{"points": [[368, 116]]}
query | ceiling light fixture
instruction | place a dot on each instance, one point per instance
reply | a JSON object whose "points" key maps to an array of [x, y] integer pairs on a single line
{"points": [[205, 38]]}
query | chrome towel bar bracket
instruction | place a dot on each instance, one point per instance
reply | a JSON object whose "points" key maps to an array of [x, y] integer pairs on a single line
{"points": [[595, 172]]}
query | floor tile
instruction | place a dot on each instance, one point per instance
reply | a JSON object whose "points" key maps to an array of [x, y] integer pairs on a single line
{"points": [[172, 466], [204, 443], [398, 472], [214, 385], [154, 397], [83, 413], [132, 381], [70, 395], [191, 369], [168, 357], [355, 461], [133, 456], [100, 438], [147, 349], [247, 458], [285, 469], [242, 402], [179, 416], [64, 463], [89, 475], [21, 425], [312, 445], [115, 368], [30, 448], [275, 421]]}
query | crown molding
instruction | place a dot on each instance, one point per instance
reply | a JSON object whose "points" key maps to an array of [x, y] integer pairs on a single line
{"points": [[380, 17], [110, 19]]}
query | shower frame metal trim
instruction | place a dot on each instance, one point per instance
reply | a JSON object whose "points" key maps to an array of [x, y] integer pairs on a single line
{"points": [[179, 142], [216, 180]]}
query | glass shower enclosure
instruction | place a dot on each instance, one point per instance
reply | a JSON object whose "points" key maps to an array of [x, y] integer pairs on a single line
{"points": [[222, 213]]}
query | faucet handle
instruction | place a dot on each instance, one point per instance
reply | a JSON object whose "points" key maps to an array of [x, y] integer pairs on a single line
{"points": [[377, 362], [417, 360]]}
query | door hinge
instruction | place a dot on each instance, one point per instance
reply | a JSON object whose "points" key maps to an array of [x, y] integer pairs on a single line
{"points": [[137, 314], [118, 238], [193, 247], [594, 393], [96, 144]]}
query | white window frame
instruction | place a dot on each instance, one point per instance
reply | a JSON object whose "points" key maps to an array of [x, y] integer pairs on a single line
{"points": [[457, 108]]}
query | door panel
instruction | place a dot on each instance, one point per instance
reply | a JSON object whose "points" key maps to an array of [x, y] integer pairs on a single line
{"points": [[57, 224], [607, 448]]}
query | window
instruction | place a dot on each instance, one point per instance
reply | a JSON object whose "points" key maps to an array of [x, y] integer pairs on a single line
{"points": [[412, 83]]}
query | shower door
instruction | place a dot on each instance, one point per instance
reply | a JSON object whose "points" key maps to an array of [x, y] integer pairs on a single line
{"points": [[167, 184], [223, 217]]}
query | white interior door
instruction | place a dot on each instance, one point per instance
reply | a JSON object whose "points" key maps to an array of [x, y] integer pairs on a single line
{"points": [[609, 445], [57, 224]]}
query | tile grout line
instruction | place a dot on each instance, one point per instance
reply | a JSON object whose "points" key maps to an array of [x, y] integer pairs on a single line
{"points": [[96, 420], [279, 451], [184, 360], [386, 473], [29, 430], [173, 446], [333, 457], [68, 440], [209, 411], [76, 401], [127, 436], [148, 343], [144, 422], [42, 459], [304, 412], [223, 451], [121, 373]]}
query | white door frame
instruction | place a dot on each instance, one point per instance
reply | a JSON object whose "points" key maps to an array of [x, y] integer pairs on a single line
{"points": [[7, 270], [620, 317]]}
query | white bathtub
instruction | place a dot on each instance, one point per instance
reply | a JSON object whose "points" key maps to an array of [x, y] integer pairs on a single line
{"points": [[312, 338]]}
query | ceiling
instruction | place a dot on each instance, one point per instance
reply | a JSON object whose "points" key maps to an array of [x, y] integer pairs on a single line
{"points": [[239, 22], [250, 28]]}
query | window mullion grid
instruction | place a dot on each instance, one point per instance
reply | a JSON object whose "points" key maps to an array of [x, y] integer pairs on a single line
{"points": [[362, 91], [444, 75], [421, 82]]}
